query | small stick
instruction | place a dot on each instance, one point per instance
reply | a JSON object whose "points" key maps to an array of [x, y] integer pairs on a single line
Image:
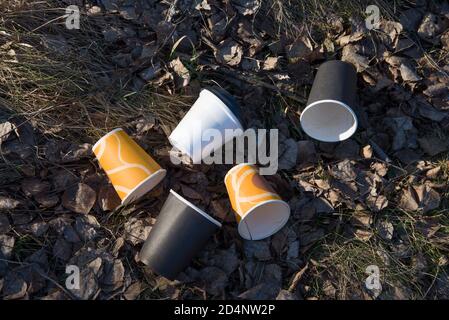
{"points": [[298, 277]]}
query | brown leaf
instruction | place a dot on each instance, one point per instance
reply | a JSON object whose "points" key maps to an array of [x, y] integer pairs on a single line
{"points": [[47, 200], [408, 73], [191, 193], [392, 30], [34, 186], [437, 89], [229, 52], [113, 274], [367, 152], [247, 7], [7, 203], [363, 235], [182, 77], [433, 173], [5, 130], [377, 203], [6, 245], [136, 231], [108, 198], [380, 168], [298, 51], [429, 199], [79, 198], [428, 226], [270, 63], [409, 200], [222, 210], [385, 229], [350, 55], [344, 170], [431, 26], [421, 197], [14, 287], [133, 291], [361, 219]]}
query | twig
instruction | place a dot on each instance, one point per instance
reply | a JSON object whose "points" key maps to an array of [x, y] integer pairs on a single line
{"points": [[256, 82], [298, 277]]}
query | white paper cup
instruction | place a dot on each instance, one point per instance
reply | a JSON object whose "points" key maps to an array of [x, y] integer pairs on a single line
{"points": [[208, 112]]}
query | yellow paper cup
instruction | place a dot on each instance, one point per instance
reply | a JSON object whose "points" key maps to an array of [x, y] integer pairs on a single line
{"points": [[131, 170], [259, 211]]}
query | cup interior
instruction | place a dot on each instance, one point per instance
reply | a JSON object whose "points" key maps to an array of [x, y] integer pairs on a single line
{"points": [[329, 121], [264, 220]]}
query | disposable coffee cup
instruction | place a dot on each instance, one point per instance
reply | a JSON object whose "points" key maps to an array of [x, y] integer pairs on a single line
{"points": [[181, 231], [329, 115], [259, 210], [203, 128], [131, 170]]}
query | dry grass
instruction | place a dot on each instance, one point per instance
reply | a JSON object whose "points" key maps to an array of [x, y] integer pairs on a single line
{"points": [[63, 81]]}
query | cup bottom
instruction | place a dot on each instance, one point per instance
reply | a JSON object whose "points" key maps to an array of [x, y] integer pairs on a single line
{"points": [[264, 220], [145, 186]]}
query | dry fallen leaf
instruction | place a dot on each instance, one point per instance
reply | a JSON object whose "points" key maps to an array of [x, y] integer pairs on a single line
{"points": [[349, 54], [408, 73], [377, 203], [270, 63], [5, 130], [362, 234], [182, 77], [421, 197], [229, 52], [247, 7], [79, 198], [7, 203]]}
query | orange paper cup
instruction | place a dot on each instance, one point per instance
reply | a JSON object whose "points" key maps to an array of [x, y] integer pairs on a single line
{"points": [[131, 170], [259, 210]]}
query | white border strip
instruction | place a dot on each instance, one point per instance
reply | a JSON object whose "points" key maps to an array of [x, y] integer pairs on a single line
{"points": [[191, 205]]}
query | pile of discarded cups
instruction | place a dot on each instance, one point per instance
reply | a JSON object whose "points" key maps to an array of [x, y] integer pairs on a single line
{"points": [[182, 229]]}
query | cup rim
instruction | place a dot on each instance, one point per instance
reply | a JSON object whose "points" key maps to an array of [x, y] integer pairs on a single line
{"points": [[271, 232], [235, 168], [347, 134], [225, 108], [191, 205], [155, 174], [105, 136]]}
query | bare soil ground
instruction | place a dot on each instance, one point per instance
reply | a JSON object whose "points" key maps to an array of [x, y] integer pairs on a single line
{"points": [[379, 198]]}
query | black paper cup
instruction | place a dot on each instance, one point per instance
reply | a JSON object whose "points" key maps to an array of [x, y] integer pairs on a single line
{"points": [[329, 115], [179, 234]]}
